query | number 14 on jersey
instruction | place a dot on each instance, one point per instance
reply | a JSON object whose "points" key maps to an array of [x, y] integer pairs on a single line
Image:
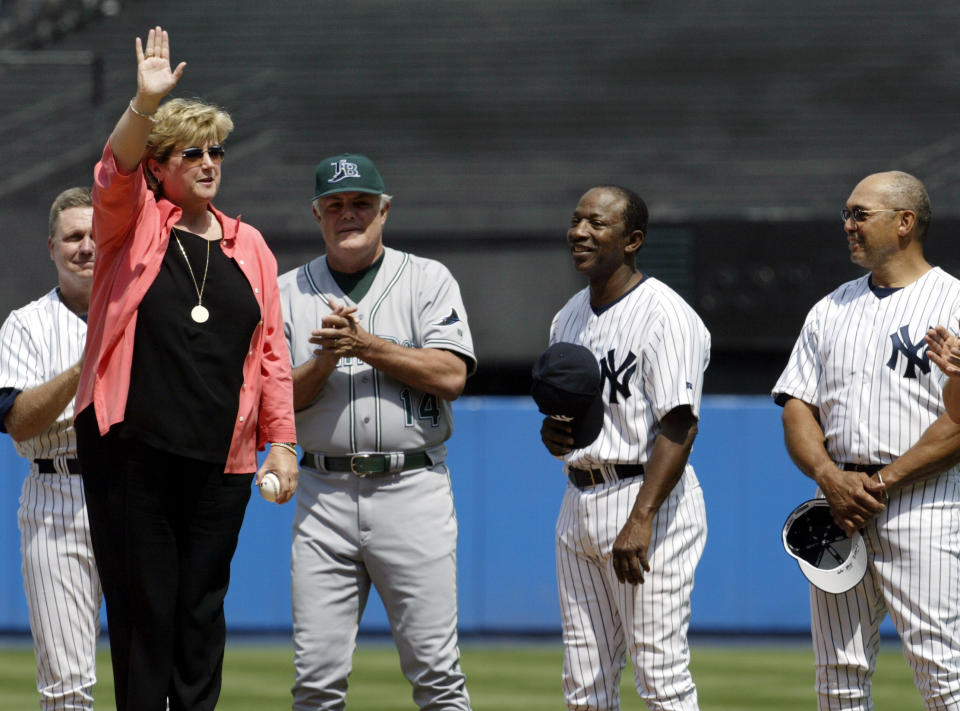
{"points": [[426, 409]]}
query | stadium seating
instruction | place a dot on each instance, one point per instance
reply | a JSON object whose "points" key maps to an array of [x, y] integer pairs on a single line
{"points": [[745, 126]]}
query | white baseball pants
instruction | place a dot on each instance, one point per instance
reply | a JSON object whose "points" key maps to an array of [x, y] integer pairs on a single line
{"points": [[604, 619], [914, 573], [62, 588]]}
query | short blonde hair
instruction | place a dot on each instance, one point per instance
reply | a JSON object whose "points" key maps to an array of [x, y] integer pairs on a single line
{"points": [[71, 197], [183, 122]]}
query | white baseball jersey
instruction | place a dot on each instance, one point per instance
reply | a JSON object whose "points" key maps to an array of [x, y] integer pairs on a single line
{"points": [[37, 343], [649, 343], [414, 302], [861, 360], [653, 350]]}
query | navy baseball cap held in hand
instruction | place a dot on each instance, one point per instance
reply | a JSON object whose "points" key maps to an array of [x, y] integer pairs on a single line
{"points": [[347, 173], [828, 557], [567, 387]]}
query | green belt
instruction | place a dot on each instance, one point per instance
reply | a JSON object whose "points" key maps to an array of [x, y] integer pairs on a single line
{"points": [[364, 463]]}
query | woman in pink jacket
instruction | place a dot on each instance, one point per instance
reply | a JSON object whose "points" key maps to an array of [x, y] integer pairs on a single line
{"points": [[186, 375]]}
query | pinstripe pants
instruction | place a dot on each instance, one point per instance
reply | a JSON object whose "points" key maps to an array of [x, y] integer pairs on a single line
{"points": [[914, 574], [62, 588], [604, 619]]}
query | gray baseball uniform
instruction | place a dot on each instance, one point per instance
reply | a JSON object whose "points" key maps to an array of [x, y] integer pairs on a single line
{"points": [[653, 350], [397, 529], [38, 342], [860, 359]]}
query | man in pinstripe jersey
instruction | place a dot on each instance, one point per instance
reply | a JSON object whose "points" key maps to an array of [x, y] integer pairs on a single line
{"points": [[632, 525], [41, 351], [380, 347], [864, 418]]}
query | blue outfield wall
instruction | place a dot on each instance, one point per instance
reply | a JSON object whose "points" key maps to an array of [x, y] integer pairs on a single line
{"points": [[507, 490]]}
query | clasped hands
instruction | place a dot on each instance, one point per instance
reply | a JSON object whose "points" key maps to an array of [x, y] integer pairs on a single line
{"points": [[340, 335], [854, 498]]}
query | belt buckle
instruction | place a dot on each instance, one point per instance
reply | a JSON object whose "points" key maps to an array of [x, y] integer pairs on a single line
{"points": [[361, 456], [596, 476]]}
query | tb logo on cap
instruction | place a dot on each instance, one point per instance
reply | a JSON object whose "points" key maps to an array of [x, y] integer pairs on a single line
{"points": [[343, 169]]}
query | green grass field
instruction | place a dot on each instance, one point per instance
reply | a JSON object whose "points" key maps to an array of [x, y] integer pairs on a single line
{"points": [[505, 677]]}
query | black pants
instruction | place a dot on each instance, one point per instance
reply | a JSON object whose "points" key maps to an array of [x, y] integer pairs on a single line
{"points": [[164, 530]]}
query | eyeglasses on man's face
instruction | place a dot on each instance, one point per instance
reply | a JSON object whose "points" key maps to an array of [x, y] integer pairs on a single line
{"points": [[860, 215], [192, 155]]}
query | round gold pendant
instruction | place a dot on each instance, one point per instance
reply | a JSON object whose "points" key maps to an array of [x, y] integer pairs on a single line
{"points": [[199, 313]]}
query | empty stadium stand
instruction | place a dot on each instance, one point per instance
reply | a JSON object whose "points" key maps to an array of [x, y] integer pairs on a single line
{"points": [[744, 125]]}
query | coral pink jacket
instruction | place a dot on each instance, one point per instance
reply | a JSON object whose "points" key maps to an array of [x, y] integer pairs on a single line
{"points": [[131, 229]]}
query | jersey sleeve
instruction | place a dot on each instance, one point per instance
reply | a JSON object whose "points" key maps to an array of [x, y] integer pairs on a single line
{"points": [[20, 364], [284, 284], [7, 397], [675, 359], [801, 377], [954, 325], [552, 333], [443, 317]]}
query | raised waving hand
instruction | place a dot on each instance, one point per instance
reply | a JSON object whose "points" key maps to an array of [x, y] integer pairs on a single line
{"points": [[155, 80]]}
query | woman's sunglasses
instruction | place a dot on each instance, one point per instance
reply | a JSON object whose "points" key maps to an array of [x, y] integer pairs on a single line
{"points": [[192, 155]]}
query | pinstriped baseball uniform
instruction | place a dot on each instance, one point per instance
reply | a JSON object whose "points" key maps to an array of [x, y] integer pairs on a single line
{"points": [[653, 350], [38, 342], [398, 531], [861, 360]]}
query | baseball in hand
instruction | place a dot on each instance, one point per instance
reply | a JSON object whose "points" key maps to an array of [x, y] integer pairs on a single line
{"points": [[270, 486]]}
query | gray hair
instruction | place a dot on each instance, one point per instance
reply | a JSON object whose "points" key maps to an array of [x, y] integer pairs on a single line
{"points": [[384, 201]]}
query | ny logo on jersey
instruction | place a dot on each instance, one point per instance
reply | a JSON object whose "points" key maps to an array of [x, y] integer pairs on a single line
{"points": [[343, 169], [613, 374], [902, 345]]}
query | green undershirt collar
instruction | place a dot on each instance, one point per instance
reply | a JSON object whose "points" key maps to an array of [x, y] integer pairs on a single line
{"points": [[357, 284]]}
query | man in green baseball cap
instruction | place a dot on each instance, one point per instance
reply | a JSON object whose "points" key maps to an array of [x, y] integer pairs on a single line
{"points": [[380, 346], [350, 204]]}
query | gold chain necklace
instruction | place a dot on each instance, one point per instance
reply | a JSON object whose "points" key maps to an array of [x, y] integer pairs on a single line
{"points": [[199, 312]]}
